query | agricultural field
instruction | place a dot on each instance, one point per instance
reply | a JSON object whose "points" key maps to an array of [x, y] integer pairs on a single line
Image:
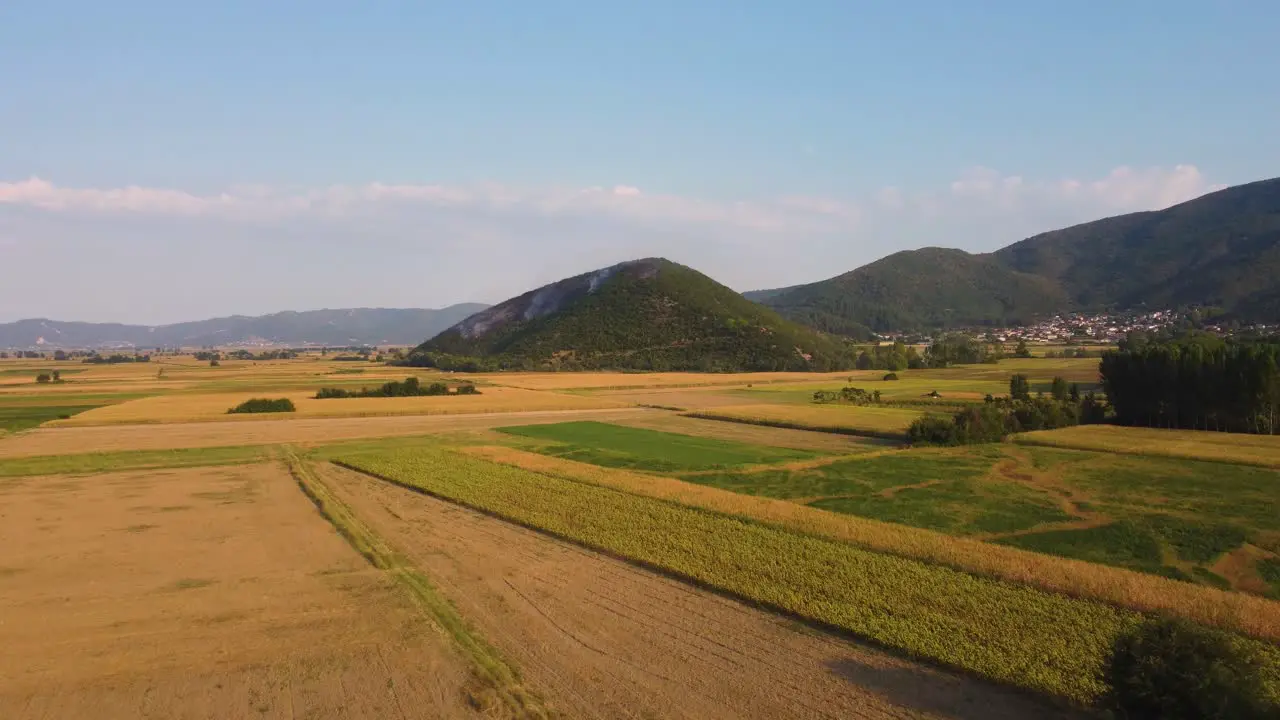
{"points": [[950, 617], [207, 592], [743, 545], [1261, 450], [870, 421], [212, 407], [640, 448]]}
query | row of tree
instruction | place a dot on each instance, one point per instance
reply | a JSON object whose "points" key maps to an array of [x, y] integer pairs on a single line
{"points": [[1197, 383], [409, 387]]}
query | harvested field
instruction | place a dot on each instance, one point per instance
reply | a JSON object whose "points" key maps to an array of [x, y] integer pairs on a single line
{"points": [[1261, 450], [214, 406], [112, 438], [602, 638], [1114, 586], [872, 421], [202, 593], [688, 398]]}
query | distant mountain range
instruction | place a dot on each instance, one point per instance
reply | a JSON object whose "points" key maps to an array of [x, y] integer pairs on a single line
{"points": [[1220, 250], [649, 314], [357, 326]]}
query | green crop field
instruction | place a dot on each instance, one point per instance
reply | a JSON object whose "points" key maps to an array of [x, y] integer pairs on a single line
{"points": [[85, 463], [978, 625], [17, 417], [643, 449], [1205, 522]]}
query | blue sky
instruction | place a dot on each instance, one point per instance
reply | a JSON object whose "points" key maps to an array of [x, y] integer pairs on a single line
{"points": [[258, 156]]}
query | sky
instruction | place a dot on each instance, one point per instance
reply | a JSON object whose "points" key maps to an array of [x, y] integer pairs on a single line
{"points": [[171, 161]]}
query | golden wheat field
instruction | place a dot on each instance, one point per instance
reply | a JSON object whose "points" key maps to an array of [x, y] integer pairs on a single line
{"points": [[214, 406], [1191, 444]]}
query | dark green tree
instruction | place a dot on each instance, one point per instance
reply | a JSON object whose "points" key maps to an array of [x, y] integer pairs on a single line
{"points": [[1058, 389], [1019, 387]]}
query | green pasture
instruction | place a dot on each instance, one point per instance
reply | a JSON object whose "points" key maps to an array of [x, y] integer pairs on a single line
{"points": [[643, 449]]}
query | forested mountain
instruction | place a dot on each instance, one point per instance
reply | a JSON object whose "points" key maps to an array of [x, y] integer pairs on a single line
{"points": [[932, 287], [1220, 250], [648, 314], [359, 326]]}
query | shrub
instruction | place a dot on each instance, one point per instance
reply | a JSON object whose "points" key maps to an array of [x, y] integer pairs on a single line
{"points": [[1173, 669], [264, 405], [848, 395], [467, 389], [890, 376], [43, 378], [932, 430]]}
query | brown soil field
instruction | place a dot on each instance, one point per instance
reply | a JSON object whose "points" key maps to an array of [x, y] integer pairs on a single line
{"points": [[213, 406], [601, 638], [108, 438], [202, 593]]}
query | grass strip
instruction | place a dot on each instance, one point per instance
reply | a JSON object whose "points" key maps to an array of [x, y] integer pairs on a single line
{"points": [[99, 462], [1013, 634], [496, 681]]}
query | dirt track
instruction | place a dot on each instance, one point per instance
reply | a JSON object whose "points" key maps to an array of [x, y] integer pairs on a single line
{"points": [[601, 638], [202, 593]]}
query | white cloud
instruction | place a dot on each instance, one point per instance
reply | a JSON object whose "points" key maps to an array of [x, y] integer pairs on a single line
{"points": [[1123, 189], [433, 244], [249, 202]]}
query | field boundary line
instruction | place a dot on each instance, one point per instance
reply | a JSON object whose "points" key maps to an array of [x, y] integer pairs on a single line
{"points": [[496, 675]]}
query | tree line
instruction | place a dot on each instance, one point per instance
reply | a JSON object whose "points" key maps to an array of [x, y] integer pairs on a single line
{"points": [[409, 387], [1196, 382]]}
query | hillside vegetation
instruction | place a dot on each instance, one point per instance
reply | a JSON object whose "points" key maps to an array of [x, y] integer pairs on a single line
{"points": [[1220, 250], [648, 314]]}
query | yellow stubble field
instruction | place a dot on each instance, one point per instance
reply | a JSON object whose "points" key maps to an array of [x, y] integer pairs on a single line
{"points": [[214, 406]]}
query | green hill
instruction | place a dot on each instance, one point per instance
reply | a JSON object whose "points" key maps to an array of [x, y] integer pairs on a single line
{"points": [[648, 314], [1221, 250], [932, 287]]}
